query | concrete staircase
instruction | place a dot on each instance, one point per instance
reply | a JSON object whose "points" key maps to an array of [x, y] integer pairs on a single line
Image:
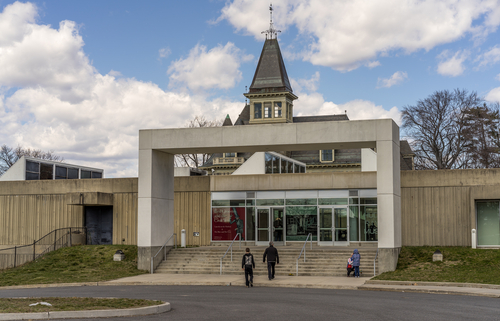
{"points": [[320, 261]]}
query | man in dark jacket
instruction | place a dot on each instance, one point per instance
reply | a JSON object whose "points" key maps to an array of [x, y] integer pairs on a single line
{"points": [[272, 259], [248, 264]]}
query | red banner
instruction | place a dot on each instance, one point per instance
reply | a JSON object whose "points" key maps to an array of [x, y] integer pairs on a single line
{"points": [[227, 222]]}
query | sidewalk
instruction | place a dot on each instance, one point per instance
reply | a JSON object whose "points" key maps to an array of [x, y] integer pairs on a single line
{"points": [[318, 282]]}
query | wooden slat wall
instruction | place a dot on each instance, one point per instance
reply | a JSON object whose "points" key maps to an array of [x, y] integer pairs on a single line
{"points": [[192, 213], [25, 218], [125, 218], [438, 216]]}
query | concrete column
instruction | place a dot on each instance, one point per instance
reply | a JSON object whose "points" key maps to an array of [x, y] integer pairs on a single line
{"points": [[389, 201], [156, 203]]}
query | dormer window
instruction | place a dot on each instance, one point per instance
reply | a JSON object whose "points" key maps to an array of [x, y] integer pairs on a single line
{"points": [[257, 110], [277, 109], [267, 110], [326, 155]]}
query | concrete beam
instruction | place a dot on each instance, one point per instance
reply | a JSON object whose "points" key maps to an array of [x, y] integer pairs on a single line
{"points": [[158, 146]]}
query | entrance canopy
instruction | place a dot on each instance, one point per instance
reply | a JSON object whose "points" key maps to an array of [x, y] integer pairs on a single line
{"points": [[157, 148]]}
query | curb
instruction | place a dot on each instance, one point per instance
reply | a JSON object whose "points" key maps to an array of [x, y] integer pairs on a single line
{"points": [[450, 284], [430, 291], [257, 285], [154, 309]]}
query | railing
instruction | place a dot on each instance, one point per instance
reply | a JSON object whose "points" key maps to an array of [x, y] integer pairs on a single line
{"points": [[164, 248], [230, 248], [303, 250], [375, 260], [229, 160], [59, 238]]}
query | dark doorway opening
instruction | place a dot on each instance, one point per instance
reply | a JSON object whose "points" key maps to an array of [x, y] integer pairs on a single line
{"points": [[99, 223]]}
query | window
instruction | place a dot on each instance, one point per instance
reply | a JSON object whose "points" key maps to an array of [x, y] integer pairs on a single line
{"points": [[269, 163], [96, 175], [32, 171], [72, 173], [277, 109], [229, 154], [46, 171], [86, 174], [61, 172], [257, 110], [267, 110], [326, 155]]}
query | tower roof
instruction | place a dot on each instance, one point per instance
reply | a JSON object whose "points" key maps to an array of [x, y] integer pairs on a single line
{"points": [[270, 75]]}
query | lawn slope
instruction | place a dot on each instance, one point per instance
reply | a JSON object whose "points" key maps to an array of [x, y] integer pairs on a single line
{"points": [[460, 264], [86, 263]]}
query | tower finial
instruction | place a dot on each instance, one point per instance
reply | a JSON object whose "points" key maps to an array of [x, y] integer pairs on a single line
{"points": [[271, 33]]}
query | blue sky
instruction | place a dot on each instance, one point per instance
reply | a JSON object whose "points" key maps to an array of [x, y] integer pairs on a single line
{"points": [[82, 77]]}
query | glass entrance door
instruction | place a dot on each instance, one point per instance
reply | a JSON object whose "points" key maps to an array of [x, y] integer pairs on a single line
{"points": [[325, 226], [341, 223], [278, 226], [263, 226], [333, 227], [270, 226]]}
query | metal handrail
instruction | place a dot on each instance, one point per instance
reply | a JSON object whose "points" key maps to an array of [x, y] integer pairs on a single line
{"points": [[303, 250], [374, 260], [230, 247], [165, 251], [52, 244]]}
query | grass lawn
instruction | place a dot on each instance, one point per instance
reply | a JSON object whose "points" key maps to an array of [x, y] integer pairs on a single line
{"points": [[70, 304], [460, 264], [86, 263]]}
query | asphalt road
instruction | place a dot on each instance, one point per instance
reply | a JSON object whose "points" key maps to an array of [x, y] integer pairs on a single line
{"points": [[241, 303]]}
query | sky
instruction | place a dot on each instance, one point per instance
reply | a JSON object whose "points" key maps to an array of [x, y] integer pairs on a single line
{"points": [[81, 78]]}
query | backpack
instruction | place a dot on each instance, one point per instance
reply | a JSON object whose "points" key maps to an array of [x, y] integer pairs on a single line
{"points": [[248, 260]]}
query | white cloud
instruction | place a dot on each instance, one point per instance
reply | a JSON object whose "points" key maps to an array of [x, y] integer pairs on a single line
{"points": [[452, 65], [314, 104], [164, 52], [215, 68], [309, 85], [57, 101], [347, 34], [372, 64], [397, 78], [493, 95], [490, 57]]}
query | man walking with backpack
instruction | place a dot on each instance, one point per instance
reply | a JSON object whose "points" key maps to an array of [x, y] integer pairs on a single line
{"points": [[272, 259], [248, 264]]}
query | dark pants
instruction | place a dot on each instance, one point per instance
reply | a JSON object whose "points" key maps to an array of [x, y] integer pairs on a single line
{"points": [[270, 269], [248, 272], [349, 270], [356, 271]]}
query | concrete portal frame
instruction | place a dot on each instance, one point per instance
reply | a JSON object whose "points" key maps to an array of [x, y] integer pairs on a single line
{"points": [[157, 148]]}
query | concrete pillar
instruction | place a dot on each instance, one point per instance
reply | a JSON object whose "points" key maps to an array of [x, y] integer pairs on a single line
{"points": [[156, 203], [389, 201]]}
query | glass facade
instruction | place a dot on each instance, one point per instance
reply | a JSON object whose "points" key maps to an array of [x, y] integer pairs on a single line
{"points": [[46, 171], [274, 164], [292, 215]]}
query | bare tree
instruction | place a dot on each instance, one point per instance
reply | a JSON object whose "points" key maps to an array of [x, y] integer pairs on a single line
{"points": [[438, 129], [9, 156], [196, 160], [482, 124]]}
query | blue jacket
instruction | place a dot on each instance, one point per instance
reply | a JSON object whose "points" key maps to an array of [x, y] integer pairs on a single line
{"points": [[355, 258]]}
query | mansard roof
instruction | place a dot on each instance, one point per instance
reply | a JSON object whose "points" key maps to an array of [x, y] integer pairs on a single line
{"points": [[270, 75]]}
